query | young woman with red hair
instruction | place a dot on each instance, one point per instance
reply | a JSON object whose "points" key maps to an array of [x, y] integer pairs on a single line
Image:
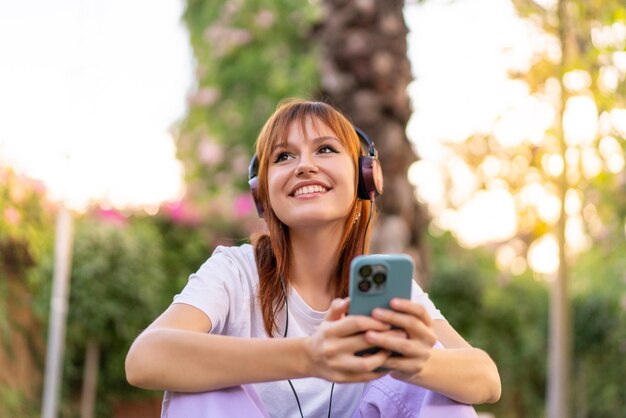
{"points": [[271, 316]]}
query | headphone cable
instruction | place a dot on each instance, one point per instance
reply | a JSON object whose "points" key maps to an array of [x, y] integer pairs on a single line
{"points": [[369, 218], [332, 388], [282, 283]]}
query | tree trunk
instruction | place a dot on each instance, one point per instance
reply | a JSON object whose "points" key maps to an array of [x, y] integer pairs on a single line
{"points": [[90, 380], [365, 73]]}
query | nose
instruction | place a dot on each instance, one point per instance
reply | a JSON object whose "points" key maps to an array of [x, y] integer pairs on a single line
{"points": [[306, 165]]}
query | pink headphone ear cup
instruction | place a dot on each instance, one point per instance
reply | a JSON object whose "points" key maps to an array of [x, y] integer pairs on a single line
{"points": [[370, 178], [254, 188]]}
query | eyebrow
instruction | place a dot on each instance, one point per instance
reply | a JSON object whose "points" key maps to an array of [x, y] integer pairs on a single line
{"points": [[318, 139]]}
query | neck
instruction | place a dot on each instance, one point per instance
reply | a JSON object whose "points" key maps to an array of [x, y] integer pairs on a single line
{"points": [[314, 264]]}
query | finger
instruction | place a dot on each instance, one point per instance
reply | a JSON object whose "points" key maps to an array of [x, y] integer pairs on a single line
{"points": [[412, 308], [348, 345], [410, 321], [355, 365], [393, 343], [412, 325], [338, 308], [355, 324]]}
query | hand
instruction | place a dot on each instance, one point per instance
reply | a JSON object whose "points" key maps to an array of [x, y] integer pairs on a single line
{"points": [[415, 345], [333, 346]]}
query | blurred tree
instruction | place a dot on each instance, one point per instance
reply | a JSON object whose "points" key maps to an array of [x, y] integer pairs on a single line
{"points": [[117, 288], [556, 160], [507, 318], [249, 55], [26, 228], [365, 72]]}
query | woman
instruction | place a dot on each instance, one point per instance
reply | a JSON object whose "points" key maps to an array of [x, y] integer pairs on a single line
{"points": [[226, 328]]}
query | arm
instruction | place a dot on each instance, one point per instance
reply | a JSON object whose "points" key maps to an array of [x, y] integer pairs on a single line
{"points": [[460, 371], [177, 353]]}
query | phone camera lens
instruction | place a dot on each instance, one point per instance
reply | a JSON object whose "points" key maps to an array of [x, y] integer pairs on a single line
{"points": [[364, 285], [365, 271], [379, 278]]}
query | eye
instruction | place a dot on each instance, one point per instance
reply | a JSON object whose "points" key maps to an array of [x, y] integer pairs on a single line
{"points": [[283, 156], [326, 149]]}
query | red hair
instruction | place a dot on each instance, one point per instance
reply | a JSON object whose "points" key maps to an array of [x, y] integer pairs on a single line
{"points": [[272, 250]]}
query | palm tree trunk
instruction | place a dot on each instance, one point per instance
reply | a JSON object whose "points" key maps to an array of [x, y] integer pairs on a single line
{"points": [[365, 72]]}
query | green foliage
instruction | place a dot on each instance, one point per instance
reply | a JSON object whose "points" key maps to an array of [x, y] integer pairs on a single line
{"points": [[25, 222], [117, 288], [249, 54], [508, 317], [599, 308], [26, 228], [587, 39], [14, 403], [505, 316]]}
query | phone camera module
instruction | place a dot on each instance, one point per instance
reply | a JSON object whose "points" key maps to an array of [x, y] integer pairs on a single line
{"points": [[364, 285], [365, 271], [379, 278]]}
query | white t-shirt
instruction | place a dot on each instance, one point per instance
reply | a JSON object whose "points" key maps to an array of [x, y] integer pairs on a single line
{"points": [[225, 289]]}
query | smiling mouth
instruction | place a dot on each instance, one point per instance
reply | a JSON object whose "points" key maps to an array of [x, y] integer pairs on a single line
{"points": [[309, 190]]}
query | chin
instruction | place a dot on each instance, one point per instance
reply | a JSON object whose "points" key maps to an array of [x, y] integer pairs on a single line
{"points": [[314, 220]]}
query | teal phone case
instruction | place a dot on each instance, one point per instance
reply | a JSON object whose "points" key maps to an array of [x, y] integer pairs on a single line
{"points": [[399, 270], [399, 275]]}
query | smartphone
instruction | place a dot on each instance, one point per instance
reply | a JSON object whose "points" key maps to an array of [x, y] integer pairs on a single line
{"points": [[375, 279]]}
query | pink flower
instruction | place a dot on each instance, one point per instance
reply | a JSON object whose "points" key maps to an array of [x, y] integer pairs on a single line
{"points": [[205, 96], [243, 205], [264, 19], [180, 212], [12, 216], [111, 216], [209, 152]]}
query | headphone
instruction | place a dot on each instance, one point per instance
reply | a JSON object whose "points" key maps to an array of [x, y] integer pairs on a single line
{"points": [[370, 174]]}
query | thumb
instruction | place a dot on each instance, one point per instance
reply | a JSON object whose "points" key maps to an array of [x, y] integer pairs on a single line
{"points": [[338, 308]]}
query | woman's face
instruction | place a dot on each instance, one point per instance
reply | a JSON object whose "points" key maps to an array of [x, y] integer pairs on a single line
{"points": [[311, 181]]}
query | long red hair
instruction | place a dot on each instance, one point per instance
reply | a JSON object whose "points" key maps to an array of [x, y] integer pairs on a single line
{"points": [[273, 249]]}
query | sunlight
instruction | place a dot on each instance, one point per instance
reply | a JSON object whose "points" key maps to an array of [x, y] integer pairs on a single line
{"points": [[608, 78], [576, 238], [463, 179], [576, 80], [549, 208], [509, 257], [580, 120], [89, 116], [111, 175], [611, 151], [618, 121], [489, 216], [527, 120], [543, 255], [591, 162], [426, 176], [553, 164], [573, 202]]}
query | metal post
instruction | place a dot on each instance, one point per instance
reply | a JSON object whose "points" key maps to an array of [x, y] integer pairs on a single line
{"points": [[58, 313]]}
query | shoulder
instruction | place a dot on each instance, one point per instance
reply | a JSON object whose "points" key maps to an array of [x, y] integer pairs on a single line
{"points": [[228, 269], [230, 263], [238, 255]]}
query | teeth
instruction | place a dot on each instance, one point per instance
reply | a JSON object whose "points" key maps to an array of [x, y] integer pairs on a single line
{"points": [[309, 189]]}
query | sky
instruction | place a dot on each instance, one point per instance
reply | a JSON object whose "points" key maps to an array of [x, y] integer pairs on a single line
{"points": [[88, 92], [90, 89]]}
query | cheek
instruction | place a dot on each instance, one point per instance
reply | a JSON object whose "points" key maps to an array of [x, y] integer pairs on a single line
{"points": [[275, 184]]}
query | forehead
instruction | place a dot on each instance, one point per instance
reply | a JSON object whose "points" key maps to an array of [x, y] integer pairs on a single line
{"points": [[307, 129]]}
